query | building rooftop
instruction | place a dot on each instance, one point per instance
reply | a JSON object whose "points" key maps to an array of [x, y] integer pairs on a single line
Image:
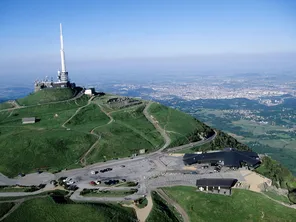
{"points": [[29, 119], [230, 158], [216, 182]]}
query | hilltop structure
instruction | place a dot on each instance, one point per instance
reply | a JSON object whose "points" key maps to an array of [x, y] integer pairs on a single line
{"points": [[63, 78], [228, 157]]}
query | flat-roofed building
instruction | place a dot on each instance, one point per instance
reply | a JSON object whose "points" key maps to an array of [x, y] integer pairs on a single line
{"points": [[216, 185], [28, 120], [227, 157]]}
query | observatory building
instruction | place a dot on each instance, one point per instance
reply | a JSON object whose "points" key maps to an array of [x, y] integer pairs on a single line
{"points": [[63, 79]]}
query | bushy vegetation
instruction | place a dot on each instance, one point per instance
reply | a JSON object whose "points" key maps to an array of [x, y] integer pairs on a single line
{"points": [[45, 209], [19, 189], [161, 212], [48, 95], [280, 176], [4, 208], [142, 202], [242, 205], [107, 193], [182, 127]]}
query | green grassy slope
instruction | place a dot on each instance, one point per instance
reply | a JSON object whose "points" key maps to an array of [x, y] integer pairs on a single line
{"points": [[47, 95], [181, 127], [45, 209], [117, 141], [88, 118], [4, 208], [45, 113], [46, 144], [5, 105], [161, 212], [31, 149], [137, 120], [243, 205]]}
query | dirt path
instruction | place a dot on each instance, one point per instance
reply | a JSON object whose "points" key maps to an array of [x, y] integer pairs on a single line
{"points": [[18, 203], [142, 213], [107, 114], [83, 158], [77, 111], [279, 202], [152, 120], [183, 213]]}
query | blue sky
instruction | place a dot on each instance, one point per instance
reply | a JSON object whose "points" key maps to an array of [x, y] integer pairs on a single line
{"points": [[132, 29]]}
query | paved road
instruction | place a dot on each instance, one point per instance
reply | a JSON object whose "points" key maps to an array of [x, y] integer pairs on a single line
{"points": [[194, 144]]}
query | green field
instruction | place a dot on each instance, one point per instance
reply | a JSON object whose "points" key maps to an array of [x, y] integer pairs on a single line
{"points": [[45, 209], [243, 205], [5, 105], [88, 118], [182, 128], [4, 208], [278, 197], [65, 131], [28, 150], [47, 96], [136, 120], [161, 211], [117, 141]]}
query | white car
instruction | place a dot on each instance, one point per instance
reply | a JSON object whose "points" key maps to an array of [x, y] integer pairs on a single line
{"points": [[93, 172], [70, 182]]}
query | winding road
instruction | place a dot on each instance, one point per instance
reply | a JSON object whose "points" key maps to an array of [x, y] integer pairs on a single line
{"points": [[155, 165]]}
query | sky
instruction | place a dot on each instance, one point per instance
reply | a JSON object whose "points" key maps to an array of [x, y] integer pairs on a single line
{"points": [[127, 35]]}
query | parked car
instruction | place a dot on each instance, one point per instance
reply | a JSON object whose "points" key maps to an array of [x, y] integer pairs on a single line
{"points": [[93, 183]]}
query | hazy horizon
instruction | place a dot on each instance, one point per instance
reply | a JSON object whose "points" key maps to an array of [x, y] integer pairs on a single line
{"points": [[141, 38]]}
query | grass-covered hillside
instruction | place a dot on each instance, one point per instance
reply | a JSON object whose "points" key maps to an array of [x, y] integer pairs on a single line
{"points": [[181, 128], [48, 95], [221, 141], [242, 205], [5, 207], [5, 105], [45, 209], [281, 177], [85, 130], [161, 211]]}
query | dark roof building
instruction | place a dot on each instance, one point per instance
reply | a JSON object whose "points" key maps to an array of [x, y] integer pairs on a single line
{"points": [[216, 182], [227, 157]]}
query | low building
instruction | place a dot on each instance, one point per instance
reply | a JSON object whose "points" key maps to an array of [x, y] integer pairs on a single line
{"points": [[28, 120], [142, 151], [90, 92], [216, 185], [227, 157]]}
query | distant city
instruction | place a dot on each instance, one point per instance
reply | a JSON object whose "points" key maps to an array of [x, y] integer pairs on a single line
{"points": [[267, 89]]}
